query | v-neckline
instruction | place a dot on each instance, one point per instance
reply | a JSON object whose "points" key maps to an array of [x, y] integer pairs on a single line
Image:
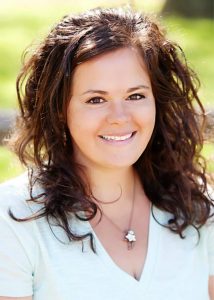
{"points": [[151, 255]]}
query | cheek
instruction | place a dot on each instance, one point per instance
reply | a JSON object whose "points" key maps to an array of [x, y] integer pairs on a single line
{"points": [[81, 124], [73, 120], [153, 117], [147, 117]]}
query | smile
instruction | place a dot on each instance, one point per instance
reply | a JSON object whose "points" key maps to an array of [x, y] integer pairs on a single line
{"points": [[117, 138]]}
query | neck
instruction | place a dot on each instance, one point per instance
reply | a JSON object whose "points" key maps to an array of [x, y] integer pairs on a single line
{"points": [[110, 185]]}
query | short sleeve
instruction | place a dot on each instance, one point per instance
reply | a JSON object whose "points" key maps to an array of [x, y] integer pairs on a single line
{"points": [[210, 224], [18, 248], [16, 274], [211, 247]]}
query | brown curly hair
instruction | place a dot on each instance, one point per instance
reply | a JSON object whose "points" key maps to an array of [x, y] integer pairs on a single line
{"points": [[171, 168]]}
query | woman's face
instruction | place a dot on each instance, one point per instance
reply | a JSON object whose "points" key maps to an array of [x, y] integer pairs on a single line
{"points": [[111, 114]]}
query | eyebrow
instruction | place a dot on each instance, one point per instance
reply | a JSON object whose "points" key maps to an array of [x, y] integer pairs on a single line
{"points": [[128, 91]]}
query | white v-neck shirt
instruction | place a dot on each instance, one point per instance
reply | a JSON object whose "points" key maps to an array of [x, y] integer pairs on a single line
{"points": [[34, 262]]}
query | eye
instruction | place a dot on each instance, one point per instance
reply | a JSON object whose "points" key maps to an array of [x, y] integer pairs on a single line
{"points": [[95, 100], [136, 97]]}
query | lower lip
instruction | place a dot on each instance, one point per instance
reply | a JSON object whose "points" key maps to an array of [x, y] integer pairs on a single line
{"points": [[115, 142]]}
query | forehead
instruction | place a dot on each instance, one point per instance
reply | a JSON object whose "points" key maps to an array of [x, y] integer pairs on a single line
{"points": [[116, 68]]}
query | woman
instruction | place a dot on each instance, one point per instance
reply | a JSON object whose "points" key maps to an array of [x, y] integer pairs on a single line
{"points": [[116, 204]]}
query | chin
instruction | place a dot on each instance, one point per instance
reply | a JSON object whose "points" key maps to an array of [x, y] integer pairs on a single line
{"points": [[119, 164]]}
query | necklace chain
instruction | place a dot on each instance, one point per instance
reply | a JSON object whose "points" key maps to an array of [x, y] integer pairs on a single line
{"points": [[128, 235]]}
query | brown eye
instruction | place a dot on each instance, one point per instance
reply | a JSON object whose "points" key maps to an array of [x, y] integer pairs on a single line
{"points": [[136, 97], [95, 100]]}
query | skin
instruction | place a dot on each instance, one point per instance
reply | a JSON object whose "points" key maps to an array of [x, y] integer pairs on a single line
{"points": [[109, 164], [14, 298], [117, 112], [211, 287], [114, 111], [122, 106]]}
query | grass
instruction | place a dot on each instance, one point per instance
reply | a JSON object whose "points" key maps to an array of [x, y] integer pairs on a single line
{"points": [[23, 23], [10, 166], [196, 39], [208, 152]]}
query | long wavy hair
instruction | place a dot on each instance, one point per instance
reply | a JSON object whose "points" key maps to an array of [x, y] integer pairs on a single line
{"points": [[171, 169]]}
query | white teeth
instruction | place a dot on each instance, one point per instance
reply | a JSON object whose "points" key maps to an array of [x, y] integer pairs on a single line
{"points": [[116, 138]]}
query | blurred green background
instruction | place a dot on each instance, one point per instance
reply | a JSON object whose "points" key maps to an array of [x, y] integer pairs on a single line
{"points": [[24, 23]]}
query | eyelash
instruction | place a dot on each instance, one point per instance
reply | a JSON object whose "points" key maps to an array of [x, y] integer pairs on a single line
{"points": [[93, 100], [141, 96]]}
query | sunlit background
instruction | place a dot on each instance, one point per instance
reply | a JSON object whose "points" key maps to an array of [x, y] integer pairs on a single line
{"points": [[25, 22]]}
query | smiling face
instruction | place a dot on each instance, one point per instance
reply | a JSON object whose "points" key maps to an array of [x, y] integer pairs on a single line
{"points": [[111, 114]]}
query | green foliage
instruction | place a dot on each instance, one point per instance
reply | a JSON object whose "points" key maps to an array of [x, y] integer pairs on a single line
{"points": [[208, 152], [21, 27], [10, 166], [196, 38], [190, 8]]}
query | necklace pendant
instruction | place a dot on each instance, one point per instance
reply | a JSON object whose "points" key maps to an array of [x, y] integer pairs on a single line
{"points": [[130, 237]]}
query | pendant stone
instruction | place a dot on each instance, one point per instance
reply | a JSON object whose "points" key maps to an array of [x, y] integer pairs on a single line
{"points": [[130, 237]]}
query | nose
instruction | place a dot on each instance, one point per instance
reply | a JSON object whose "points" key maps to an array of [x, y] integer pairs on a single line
{"points": [[118, 113]]}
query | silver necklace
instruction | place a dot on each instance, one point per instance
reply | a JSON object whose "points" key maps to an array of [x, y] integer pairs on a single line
{"points": [[128, 235]]}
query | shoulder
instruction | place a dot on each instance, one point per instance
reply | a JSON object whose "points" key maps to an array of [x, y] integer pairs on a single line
{"points": [[14, 191], [19, 248], [14, 186], [210, 195], [19, 236], [14, 195]]}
